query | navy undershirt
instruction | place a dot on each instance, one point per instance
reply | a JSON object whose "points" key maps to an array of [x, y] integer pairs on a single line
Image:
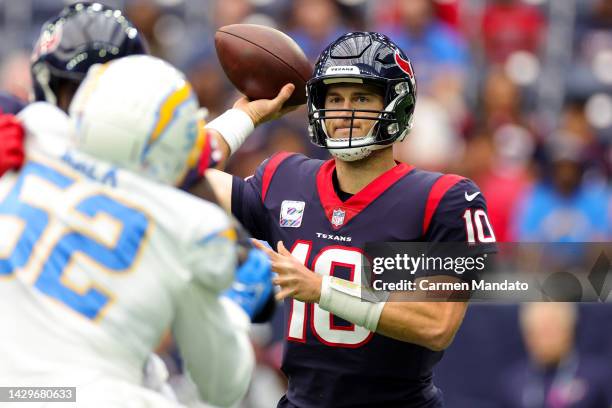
{"points": [[342, 195]]}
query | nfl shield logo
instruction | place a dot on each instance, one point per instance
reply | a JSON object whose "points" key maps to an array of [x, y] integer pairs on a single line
{"points": [[338, 217]]}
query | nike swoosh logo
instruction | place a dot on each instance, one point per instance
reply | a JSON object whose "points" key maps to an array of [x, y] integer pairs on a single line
{"points": [[471, 197]]}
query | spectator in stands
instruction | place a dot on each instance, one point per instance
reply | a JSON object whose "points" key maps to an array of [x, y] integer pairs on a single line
{"points": [[500, 103], [315, 23], [145, 14], [555, 374], [562, 207], [509, 26], [500, 163], [434, 143], [209, 82], [231, 11], [590, 71], [437, 51], [15, 76]]}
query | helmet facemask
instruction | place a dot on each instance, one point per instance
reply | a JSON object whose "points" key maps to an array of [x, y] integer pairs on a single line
{"points": [[393, 122]]}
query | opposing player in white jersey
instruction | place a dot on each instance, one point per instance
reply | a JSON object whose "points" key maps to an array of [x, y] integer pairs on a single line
{"points": [[100, 254]]}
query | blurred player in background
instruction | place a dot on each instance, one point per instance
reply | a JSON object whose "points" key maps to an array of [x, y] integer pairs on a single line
{"points": [[81, 35], [104, 255], [361, 100]]}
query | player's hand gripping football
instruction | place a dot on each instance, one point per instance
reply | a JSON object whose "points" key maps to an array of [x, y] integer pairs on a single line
{"points": [[263, 110], [294, 279]]}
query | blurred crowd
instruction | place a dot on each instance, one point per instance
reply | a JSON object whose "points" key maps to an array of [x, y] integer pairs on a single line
{"points": [[515, 94]]}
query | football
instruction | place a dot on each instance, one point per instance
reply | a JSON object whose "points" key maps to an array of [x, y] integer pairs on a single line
{"points": [[259, 60]]}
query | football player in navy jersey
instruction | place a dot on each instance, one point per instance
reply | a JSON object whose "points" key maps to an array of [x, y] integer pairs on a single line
{"points": [[342, 351]]}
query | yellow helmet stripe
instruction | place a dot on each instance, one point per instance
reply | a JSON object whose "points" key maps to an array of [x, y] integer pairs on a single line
{"points": [[166, 113], [196, 150]]}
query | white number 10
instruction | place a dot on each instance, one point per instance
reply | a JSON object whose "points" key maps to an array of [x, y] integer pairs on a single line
{"points": [[478, 218]]}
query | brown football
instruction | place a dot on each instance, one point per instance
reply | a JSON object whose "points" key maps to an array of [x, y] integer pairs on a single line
{"points": [[259, 60]]}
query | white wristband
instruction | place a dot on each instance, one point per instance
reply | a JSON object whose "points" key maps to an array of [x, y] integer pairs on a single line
{"points": [[234, 126], [344, 299]]}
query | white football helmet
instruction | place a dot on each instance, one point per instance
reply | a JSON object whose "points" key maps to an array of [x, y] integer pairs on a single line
{"points": [[139, 113]]}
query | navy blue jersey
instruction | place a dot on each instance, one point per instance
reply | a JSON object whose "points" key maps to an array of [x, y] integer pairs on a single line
{"points": [[10, 104], [330, 362]]}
